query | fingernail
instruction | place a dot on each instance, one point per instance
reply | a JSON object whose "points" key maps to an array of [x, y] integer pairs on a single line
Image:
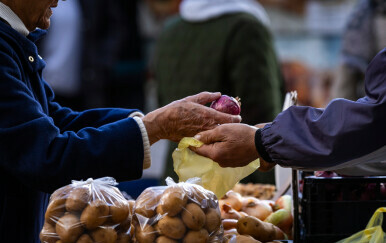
{"points": [[197, 137], [237, 119]]}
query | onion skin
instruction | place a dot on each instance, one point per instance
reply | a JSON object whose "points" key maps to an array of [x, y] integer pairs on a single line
{"points": [[234, 199], [258, 209], [227, 105], [227, 212]]}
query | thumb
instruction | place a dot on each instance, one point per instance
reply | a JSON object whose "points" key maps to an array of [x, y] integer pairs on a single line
{"points": [[204, 150], [203, 97], [208, 137]]}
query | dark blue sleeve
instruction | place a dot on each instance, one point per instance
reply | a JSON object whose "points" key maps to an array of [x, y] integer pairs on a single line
{"points": [[68, 120], [46, 156], [306, 137]]}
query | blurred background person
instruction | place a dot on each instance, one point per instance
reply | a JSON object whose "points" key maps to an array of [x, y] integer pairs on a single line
{"points": [[61, 48], [221, 45], [100, 55], [363, 38], [113, 61]]}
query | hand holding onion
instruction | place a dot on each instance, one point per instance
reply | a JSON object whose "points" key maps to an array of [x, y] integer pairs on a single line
{"points": [[227, 105], [231, 145], [185, 118]]}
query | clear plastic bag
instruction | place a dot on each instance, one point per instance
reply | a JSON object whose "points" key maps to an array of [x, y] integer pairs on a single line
{"points": [[373, 232], [88, 211], [177, 213], [188, 164]]}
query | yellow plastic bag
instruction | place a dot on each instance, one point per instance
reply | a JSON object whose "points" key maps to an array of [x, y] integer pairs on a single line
{"points": [[188, 164], [373, 232]]}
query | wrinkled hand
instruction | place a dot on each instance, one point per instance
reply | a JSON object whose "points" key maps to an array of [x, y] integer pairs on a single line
{"points": [[230, 145], [185, 118]]}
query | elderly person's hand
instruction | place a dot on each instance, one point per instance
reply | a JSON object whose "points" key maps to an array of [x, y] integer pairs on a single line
{"points": [[231, 145], [185, 118]]}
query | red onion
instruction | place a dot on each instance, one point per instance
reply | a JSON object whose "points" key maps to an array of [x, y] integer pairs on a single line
{"points": [[227, 104]]}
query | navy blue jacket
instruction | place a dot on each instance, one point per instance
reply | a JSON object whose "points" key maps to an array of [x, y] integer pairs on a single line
{"points": [[43, 146], [335, 137]]}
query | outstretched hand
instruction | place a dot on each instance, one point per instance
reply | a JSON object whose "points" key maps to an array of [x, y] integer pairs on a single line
{"points": [[185, 118], [230, 145]]}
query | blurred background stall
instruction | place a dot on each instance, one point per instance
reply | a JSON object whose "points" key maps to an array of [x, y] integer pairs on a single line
{"points": [[144, 53]]}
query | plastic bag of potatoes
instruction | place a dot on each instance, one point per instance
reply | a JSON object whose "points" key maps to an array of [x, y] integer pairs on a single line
{"points": [[88, 211], [178, 212]]}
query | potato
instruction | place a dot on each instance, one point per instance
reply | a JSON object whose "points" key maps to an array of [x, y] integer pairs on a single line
{"points": [[164, 239], [48, 234], [229, 224], [95, 214], [197, 194], [131, 230], [85, 238], [258, 229], [131, 206], [104, 235], [62, 192], [171, 227], [77, 199], [69, 228], [173, 200], [200, 236], [147, 202], [119, 211], [56, 208], [193, 216], [145, 235], [213, 220], [123, 238], [124, 226], [246, 239]]}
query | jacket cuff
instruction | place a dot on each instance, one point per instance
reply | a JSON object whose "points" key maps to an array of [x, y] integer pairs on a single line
{"points": [[145, 139], [136, 113], [260, 147]]}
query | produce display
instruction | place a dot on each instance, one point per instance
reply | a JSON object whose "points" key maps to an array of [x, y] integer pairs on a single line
{"points": [[260, 191], [263, 220], [88, 211], [182, 212]]}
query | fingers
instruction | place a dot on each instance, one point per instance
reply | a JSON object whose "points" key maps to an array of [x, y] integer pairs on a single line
{"points": [[210, 136], [222, 118], [204, 150], [203, 97]]}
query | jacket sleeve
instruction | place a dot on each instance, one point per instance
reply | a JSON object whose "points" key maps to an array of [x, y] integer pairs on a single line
{"points": [[317, 139], [68, 120], [253, 71], [45, 156]]}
